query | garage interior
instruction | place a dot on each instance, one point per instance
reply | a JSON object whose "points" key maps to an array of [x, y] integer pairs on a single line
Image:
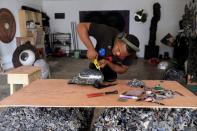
{"points": [[41, 52]]}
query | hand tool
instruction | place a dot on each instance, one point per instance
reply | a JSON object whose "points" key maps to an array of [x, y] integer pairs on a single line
{"points": [[96, 63], [128, 97], [102, 93], [179, 93]]}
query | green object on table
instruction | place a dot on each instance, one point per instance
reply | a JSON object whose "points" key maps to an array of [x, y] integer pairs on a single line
{"points": [[158, 87]]}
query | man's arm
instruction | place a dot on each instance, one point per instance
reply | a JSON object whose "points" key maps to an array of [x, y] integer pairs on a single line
{"points": [[83, 29], [120, 69]]}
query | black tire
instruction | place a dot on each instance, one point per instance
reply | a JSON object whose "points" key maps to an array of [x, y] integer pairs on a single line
{"points": [[27, 46]]}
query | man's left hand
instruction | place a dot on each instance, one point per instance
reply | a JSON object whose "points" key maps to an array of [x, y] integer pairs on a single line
{"points": [[103, 63]]}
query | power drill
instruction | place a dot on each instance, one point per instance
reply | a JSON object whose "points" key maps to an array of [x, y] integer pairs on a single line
{"points": [[111, 58]]}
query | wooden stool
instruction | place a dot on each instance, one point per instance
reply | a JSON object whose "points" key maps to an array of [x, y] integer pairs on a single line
{"points": [[22, 75]]}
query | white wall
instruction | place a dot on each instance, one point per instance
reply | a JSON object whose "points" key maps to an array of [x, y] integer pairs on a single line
{"points": [[171, 13], [7, 50], [37, 4]]}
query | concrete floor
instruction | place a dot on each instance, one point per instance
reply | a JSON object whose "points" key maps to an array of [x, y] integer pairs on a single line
{"points": [[66, 68]]}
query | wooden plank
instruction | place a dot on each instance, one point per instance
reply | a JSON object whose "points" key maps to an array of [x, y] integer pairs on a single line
{"points": [[22, 23], [23, 75], [24, 70], [57, 93]]}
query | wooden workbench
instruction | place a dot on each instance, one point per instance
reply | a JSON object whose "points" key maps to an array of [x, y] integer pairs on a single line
{"points": [[22, 75], [57, 93]]}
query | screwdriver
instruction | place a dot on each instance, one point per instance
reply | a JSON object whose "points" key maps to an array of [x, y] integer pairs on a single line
{"points": [[102, 93]]}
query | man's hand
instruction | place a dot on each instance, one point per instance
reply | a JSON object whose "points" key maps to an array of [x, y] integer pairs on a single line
{"points": [[92, 54], [103, 63], [83, 29]]}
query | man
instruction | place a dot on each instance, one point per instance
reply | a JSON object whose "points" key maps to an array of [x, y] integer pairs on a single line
{"points": [[120, 47]]}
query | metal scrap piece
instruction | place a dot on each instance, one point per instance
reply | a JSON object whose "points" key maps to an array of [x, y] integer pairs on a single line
{"points": [[136, 83], [87, 77]]}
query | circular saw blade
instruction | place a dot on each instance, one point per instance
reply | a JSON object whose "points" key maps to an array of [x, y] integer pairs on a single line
{"points": [[7, 26]]}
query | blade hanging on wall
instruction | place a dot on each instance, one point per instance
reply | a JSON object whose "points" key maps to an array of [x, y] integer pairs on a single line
{"points": [[7, 26]]}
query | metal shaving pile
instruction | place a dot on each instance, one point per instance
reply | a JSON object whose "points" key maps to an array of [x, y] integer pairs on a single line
{"points": [[136, 83], [87, 77], [132, 119], [39, 119], [112, 119]]}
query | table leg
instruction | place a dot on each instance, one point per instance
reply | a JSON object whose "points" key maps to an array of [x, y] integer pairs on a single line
{"points": [[12, 89], [97, 113], [25, 85]]}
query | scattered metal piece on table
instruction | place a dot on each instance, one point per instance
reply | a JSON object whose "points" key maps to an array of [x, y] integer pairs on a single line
{"points": [[158, 87], [156, 94], [87, 77], [136, 83], [90, 77], [122, 99]]}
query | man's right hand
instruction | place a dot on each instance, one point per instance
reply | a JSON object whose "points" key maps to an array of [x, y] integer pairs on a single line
{"points": [[92, 54]]}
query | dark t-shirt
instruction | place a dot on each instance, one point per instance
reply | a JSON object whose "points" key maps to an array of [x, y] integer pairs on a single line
{"points": [[105, 37]]}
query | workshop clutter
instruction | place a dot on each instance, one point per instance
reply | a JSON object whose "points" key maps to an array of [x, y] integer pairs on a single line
{"points": [[139, 91], [136, 83], [27, 55], [61, 44], [144, 119], [153, 61], [174, 74], [44, 68], [148, 94], [168, 40], [163, 65], [113, 119], [39, 119], [24, 55]]}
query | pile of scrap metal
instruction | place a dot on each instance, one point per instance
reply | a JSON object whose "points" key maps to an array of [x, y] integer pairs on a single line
{"points": [[40, 118], [148, 94], [136, 83], [146, 119], [156, 94]]}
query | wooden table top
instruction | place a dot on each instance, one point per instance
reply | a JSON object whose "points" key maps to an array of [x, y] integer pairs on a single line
{"points": [[24, 70], [57, 93]]}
